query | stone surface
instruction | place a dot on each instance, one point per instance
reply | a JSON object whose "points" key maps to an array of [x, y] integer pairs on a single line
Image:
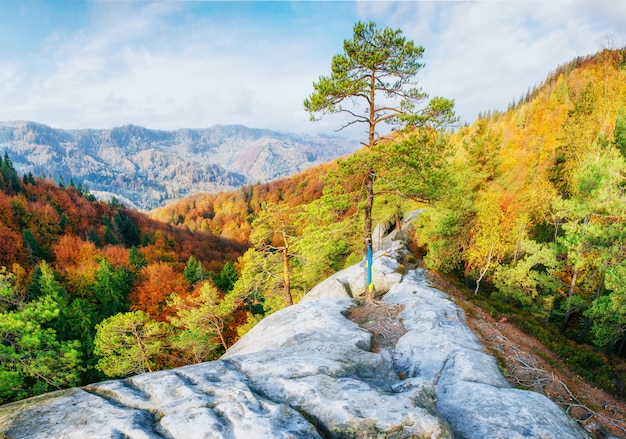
{"points": [[350, 282], [472, 395], [309, 372]]}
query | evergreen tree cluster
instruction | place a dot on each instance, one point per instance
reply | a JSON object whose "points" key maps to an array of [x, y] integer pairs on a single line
{"points": [[9, 180]]}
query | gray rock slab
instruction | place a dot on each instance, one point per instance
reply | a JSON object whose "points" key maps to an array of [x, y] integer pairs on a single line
{"points": [[336, 380], [350, 282], [74, 414], [471, 393]]}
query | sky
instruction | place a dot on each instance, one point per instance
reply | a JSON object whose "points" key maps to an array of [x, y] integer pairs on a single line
{"points": [[194, 64]]}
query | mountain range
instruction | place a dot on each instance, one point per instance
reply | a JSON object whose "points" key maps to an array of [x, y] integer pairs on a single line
{"points": [[147, 168]]}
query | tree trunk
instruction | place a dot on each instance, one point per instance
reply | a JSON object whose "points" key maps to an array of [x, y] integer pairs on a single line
{"points": [[219, 327], [369, 185], [286, 279], [398, 219], [142, 349], [484, 270], [286, 275], [621, 346]]}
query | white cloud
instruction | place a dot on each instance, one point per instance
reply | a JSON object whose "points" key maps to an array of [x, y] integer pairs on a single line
{"points": [[171, 64], [485, 54]]}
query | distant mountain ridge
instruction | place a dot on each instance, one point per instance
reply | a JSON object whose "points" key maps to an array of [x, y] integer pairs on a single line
{"points": [[148, 167]]}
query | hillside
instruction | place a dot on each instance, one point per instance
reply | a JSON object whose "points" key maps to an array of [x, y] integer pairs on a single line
{"points": [[229, 214], [525, 207], [534, 218], [147, 168], [68, 262], [524, 210]]}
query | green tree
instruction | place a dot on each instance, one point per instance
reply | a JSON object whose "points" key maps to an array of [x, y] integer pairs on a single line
{"points": [[10, 296], [416, 167], [594, 235], [193, 271], [35, 251], [9, 180], [377, 70], [488, 239], [227, 278], [266, 282], [93, 236], [129, 343], [136, 260], [445, 227], [530, 280], [201, 321], [620, 131], [111, 289], [274, 234], [260, 286], [34, 360], [80, 318], [608, 314], [324, 248], [50, 287], [125, 228]]}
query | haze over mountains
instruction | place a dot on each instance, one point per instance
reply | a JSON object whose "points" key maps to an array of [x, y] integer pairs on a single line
{"points": [[147, 168]]}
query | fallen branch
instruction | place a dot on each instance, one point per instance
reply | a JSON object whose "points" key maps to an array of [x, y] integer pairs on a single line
{"points": [[524, 371]]}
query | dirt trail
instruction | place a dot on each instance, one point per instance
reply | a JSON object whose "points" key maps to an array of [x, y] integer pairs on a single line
{"points": [[528, 364]]}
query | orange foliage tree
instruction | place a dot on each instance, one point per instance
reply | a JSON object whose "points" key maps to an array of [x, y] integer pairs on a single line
{"points": [[158, 281]]}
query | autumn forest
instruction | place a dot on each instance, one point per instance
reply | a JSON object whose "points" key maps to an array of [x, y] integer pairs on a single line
{"points": [[524, 208]]}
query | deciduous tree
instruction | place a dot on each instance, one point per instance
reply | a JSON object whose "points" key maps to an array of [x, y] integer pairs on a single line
{"points": [[274, 234], [129, 343], [201, 321], [158, 281]]}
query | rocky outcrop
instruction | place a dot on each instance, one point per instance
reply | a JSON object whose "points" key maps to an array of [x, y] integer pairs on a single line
{"points": [[310, 372], [350, 282]]}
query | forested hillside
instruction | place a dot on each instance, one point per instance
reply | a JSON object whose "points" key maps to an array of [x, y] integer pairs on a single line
{"points": [[229, 214], [535, 213], [69, 262], [526, 207]]}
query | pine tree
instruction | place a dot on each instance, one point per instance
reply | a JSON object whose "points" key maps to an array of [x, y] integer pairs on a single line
{"points": [[377, 66], [129, 343], [193, 271]]}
